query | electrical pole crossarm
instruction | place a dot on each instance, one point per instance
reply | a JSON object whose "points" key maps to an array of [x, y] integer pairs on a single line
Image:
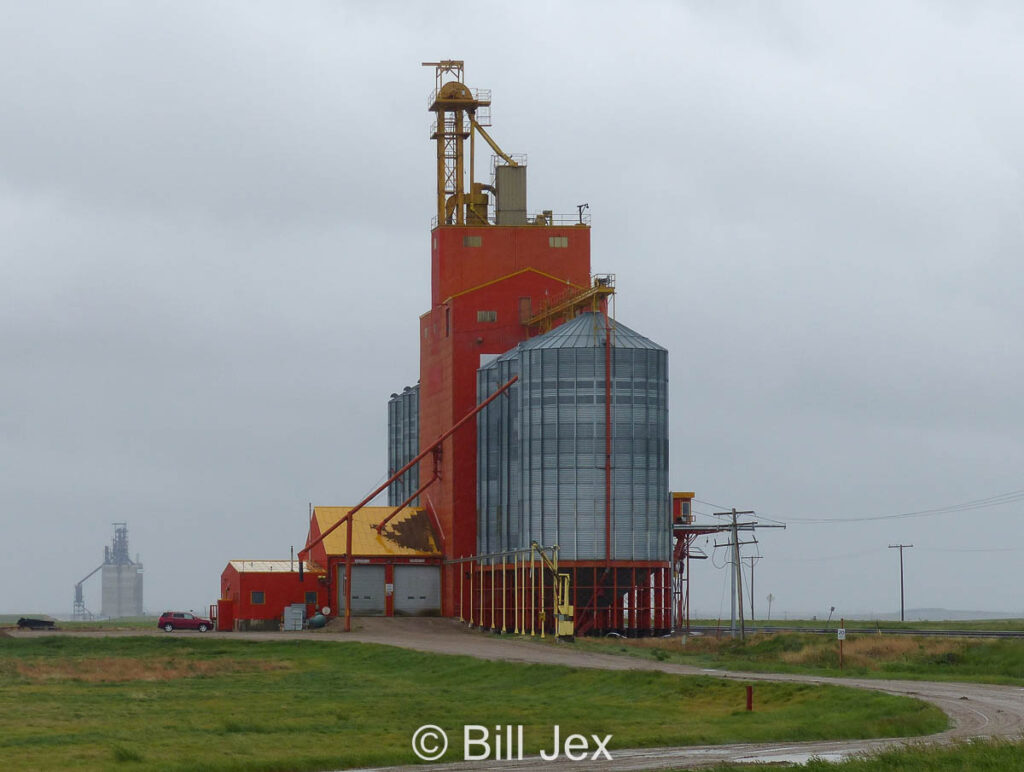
{"points": [[734, 527]]}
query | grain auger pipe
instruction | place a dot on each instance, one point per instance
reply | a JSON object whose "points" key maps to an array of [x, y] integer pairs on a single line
{"points": [[79, 606], [347, 518], [494, 145]]}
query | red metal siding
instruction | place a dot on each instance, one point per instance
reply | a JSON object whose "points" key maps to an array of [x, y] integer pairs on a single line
{"points": [[225, 615], [279, 588], [511, 263]]}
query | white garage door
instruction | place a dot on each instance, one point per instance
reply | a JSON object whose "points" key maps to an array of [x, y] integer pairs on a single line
{"points": [[367, 590], [417, 590]]}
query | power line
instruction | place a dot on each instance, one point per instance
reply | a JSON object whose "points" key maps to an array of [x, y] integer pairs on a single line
{"points": [[876, 550], [966, 506], [971, 549]]}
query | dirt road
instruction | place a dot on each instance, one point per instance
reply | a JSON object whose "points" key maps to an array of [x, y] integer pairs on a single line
{"points": [[975, 710]]}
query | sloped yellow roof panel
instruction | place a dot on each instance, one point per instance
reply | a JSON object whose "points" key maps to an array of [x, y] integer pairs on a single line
{"points": [[407, 534]]}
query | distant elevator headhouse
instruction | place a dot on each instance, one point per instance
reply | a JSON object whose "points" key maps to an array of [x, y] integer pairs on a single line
{"points": [[121, 581], [574, 455]]}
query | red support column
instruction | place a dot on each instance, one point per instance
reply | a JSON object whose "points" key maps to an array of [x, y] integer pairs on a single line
{"points": [[656, 599], [615, 601], [472, 605], [650, 596], [667, 573], [666, 599], [631, 621]]}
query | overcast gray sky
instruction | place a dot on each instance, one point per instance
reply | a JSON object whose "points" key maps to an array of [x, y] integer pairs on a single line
{"points": [[214, 224]]}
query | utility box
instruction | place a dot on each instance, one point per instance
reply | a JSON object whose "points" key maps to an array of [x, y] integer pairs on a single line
{"points": [[565, 623], [294, 615]]}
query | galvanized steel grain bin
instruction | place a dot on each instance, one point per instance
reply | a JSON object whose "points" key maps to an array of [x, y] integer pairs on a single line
{"points": [[541, 452]]}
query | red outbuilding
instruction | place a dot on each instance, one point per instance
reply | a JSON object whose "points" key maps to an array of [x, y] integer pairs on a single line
{"points": [[259, 590]]}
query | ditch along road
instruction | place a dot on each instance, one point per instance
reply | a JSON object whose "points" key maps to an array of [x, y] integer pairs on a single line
{"points": [[975, 710]]}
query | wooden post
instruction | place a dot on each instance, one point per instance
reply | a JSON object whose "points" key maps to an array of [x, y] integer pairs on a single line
{"points": [[842, 624]]}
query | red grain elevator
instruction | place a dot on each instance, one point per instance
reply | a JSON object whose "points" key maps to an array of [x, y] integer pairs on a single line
{"points": [[502, 276], [492, 268]]}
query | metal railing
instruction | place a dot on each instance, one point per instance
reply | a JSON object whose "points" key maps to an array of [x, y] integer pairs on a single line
{"points": [[544, 219], [520, 159], [479, 95]]}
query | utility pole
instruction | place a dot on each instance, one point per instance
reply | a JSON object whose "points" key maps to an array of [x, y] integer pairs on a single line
{"points": [[736, 573], [901, 547], [753, 561]]}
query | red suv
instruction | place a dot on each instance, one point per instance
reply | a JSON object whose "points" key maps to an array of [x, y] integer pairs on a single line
{"points": [[182, 620]]}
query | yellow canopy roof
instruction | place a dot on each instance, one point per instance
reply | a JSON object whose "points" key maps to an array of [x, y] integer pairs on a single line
{"points": [[407, 534]]}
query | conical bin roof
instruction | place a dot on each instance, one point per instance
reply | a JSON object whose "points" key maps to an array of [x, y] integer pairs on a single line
{"points": [[587, 331]]}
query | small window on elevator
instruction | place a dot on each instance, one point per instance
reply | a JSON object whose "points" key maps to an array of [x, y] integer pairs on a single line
{"points": [[487, 316], [558, 242], [447, 322], [472, 241]]}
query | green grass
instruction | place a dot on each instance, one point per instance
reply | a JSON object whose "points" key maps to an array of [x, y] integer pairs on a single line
{"points": [[123, 623], [191, 703], [875, 624], [978, 756], [996, 661]]}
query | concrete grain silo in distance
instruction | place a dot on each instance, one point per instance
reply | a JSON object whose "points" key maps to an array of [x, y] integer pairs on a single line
{"points": [[121, 578], [121, 581]]}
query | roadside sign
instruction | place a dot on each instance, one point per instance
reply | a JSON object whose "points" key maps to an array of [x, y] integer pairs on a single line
{"points": [[841, 633]]}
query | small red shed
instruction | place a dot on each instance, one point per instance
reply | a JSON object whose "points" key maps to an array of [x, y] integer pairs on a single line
{"points": [[260, 590]]}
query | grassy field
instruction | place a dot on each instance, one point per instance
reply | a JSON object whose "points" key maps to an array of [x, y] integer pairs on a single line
{"points": [[980, 756], [182, 702], [997, 661], [124, 623], [874, 624]]}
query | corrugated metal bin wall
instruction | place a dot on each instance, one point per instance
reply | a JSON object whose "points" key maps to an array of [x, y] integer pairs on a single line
{"points": [[541, 451], [403, 443], [498, 474]]}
